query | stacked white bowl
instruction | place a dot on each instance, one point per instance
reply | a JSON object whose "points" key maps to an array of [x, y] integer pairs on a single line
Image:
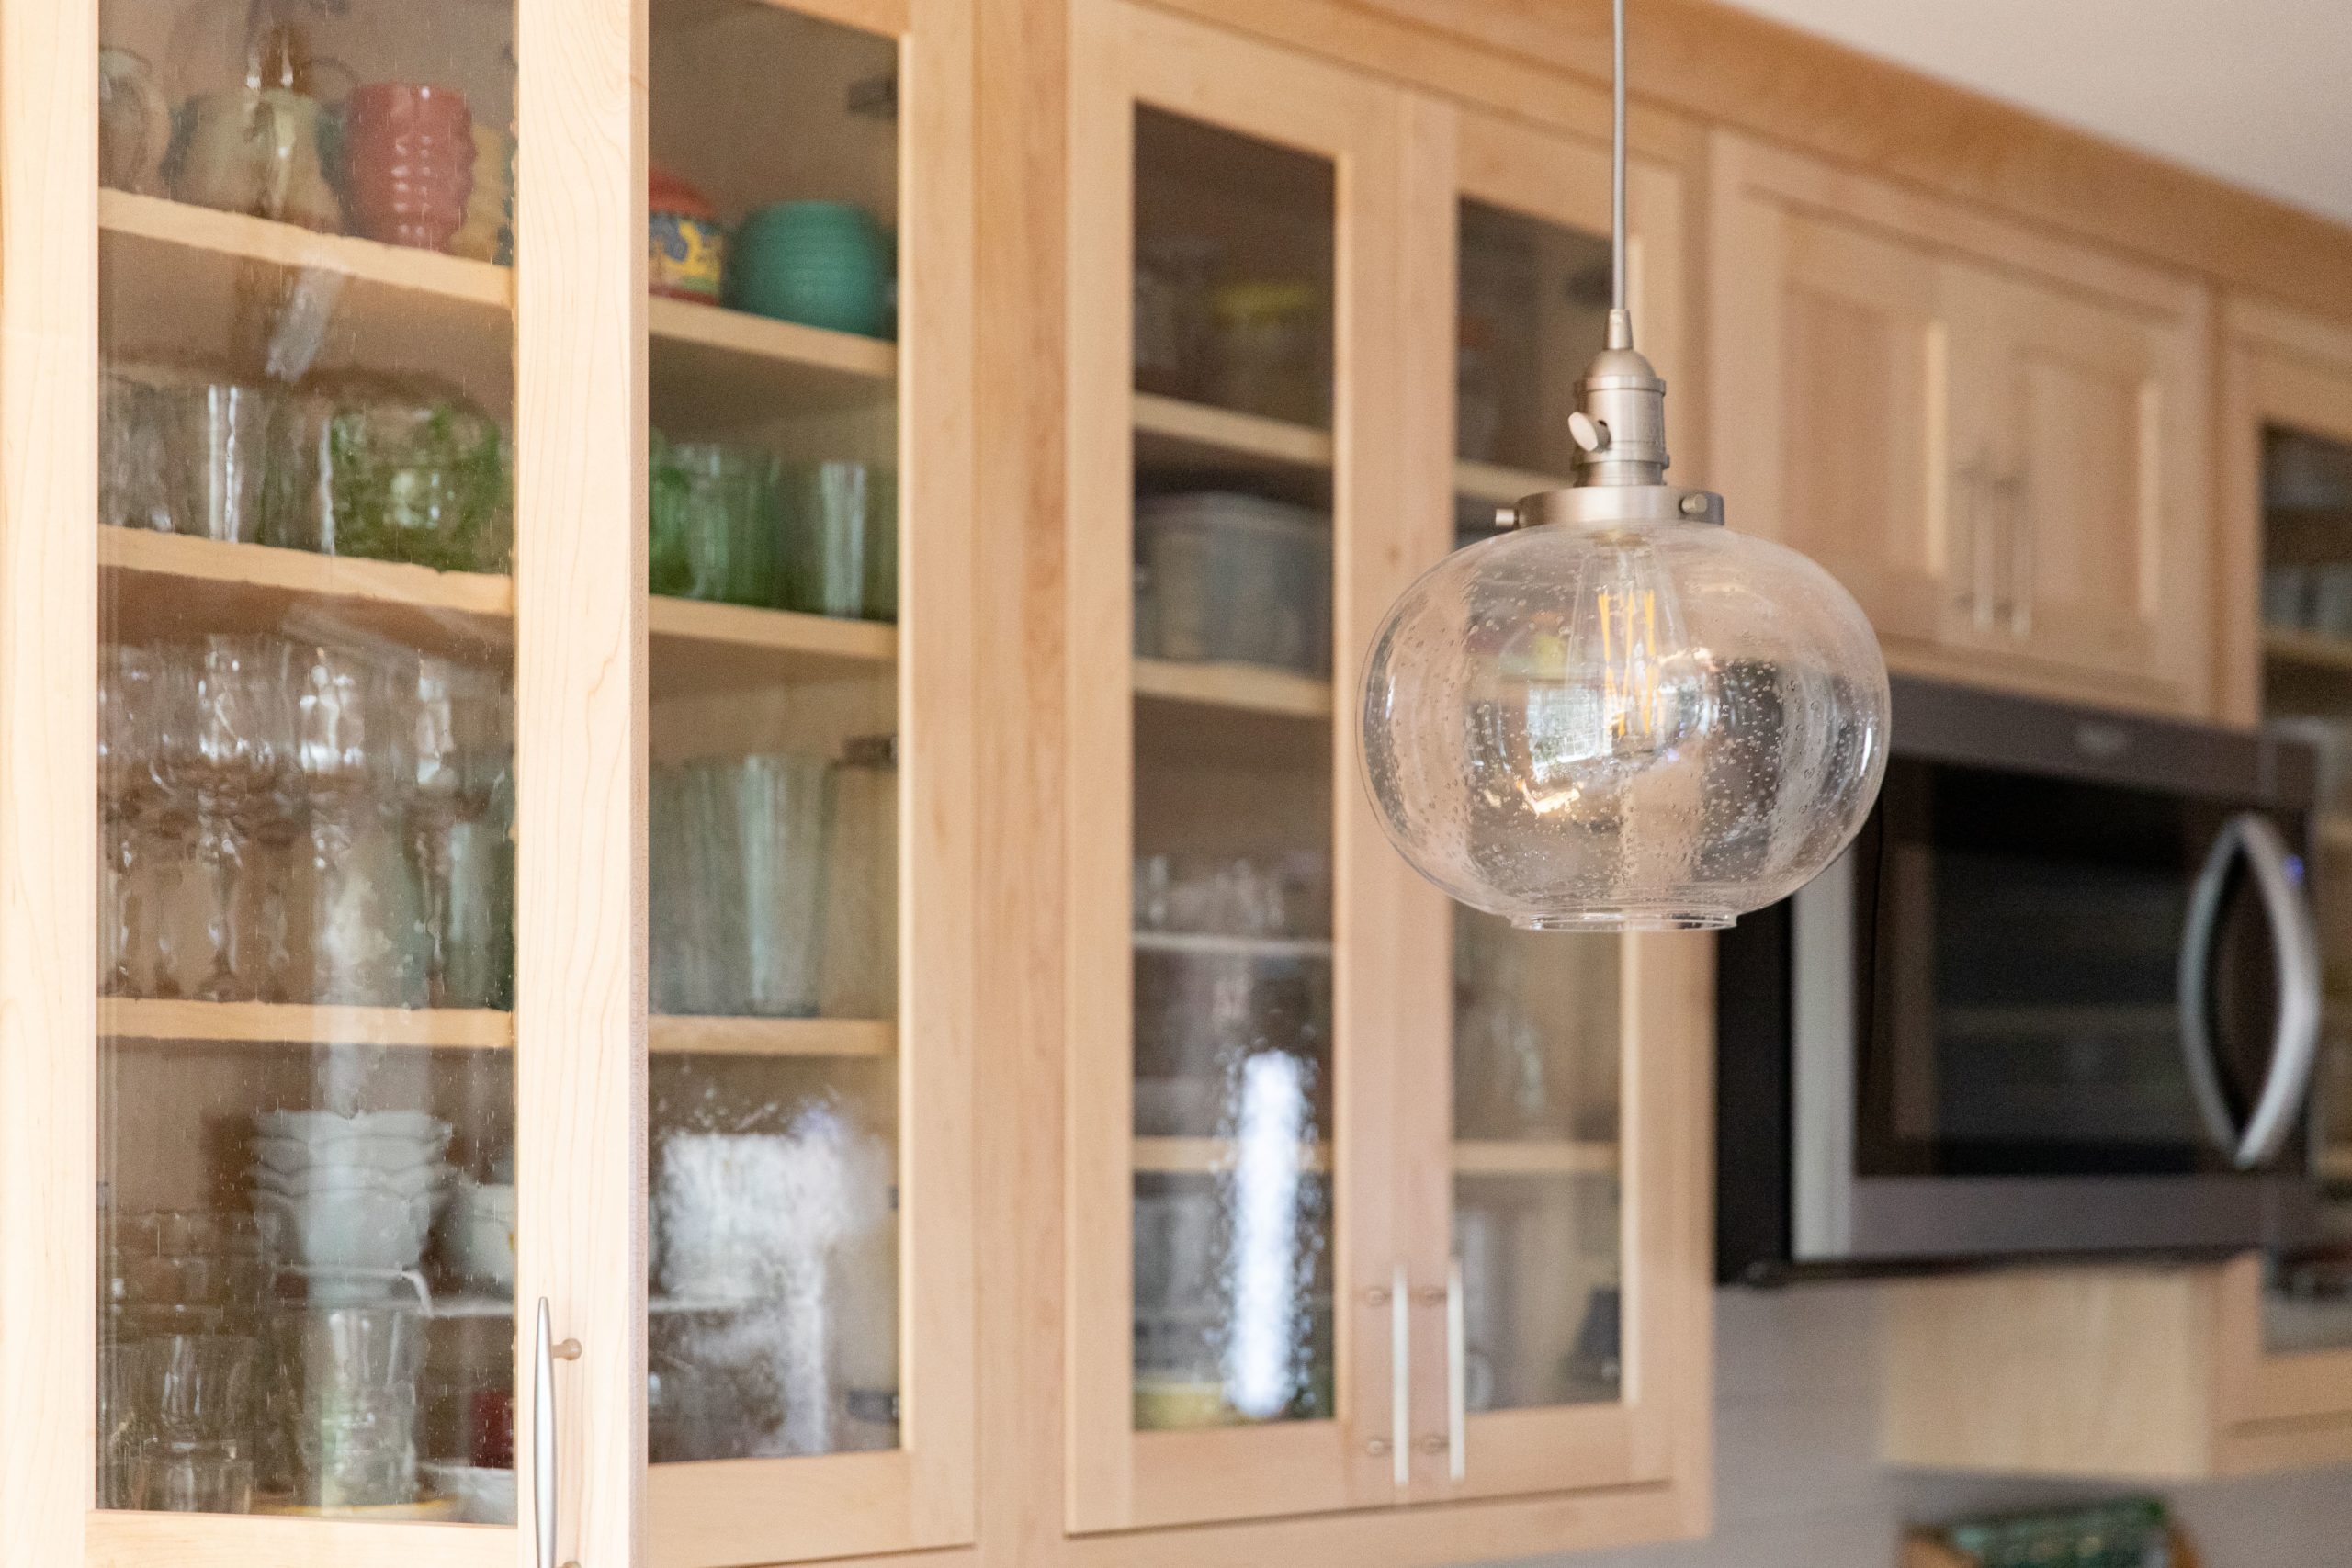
{"points": [[347, 1195]]}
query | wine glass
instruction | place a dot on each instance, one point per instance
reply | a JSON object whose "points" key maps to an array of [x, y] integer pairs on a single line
{"points": [[233, 759], [126, 791]]}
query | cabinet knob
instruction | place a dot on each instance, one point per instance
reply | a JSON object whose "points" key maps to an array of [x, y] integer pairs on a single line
{"points": [[1376, 1446], [1432, 1443]]}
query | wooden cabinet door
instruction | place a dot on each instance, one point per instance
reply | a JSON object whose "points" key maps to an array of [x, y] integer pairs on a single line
{"points": [[1244, 948], [326, 535], [2285, 418], [812, 1389], [1550, 1160], [2090, 472], [1829, 398]]}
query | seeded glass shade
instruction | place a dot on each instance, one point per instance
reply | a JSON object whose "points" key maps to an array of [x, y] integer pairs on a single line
{"points": [[1634, 726]]}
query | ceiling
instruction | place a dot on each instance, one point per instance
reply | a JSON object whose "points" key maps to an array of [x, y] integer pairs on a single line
{"points": [[2257, 92]]}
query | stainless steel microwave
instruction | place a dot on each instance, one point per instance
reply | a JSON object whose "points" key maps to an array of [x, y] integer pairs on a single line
{"points": [[2061, 997]]}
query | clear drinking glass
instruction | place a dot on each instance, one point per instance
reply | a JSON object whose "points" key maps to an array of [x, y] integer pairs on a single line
{"points": [[783, 821], [715, 526], [369, 943], [840, 539], [217, 446], [126, 789]]}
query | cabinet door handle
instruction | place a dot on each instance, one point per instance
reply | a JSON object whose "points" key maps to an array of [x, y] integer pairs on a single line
{"points": [[2019, 522], [1401, 1380], [1457, 1354], [1975, 599], [543, 1489]]}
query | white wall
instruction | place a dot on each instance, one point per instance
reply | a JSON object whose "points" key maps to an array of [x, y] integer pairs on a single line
{"points": [[1798, 1484]]}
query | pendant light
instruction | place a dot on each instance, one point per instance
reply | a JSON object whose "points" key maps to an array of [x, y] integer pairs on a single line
{"points": [[1617, 714]]}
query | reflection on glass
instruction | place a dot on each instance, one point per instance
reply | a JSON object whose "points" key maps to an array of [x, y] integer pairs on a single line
{"points": [[1536, 1222], [307, 1221], [1232, 880], [1533, 309], [773, 812], [2307, 589]]}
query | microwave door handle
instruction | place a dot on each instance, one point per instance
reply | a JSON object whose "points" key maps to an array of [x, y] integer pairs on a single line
{"points": [[2294, 1048], [2195, 982]]}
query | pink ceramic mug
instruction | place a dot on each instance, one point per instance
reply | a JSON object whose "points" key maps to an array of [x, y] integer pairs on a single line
{"points": [[408, 153]]}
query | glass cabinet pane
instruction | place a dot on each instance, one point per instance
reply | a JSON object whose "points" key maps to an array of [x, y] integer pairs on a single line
{"points": [[1233, 1046], [1537, 1023], [1534, 310], [775, 768], [2307, 607], [306, 741]]}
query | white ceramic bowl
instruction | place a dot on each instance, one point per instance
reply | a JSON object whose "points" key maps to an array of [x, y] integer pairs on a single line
{"points": [[349, 1229], [379, 1154], [479, 1235], [302, 1181]]}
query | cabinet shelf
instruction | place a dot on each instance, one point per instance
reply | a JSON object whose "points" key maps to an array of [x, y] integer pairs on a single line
{"points": [[1500, 485], [1216, 944], [175, 272], [288, 1023], [1512, 1157], [1252, 687], [253, 587], [681, 1034], [1210, 1157], [714, 368], [701, 646], [297, 1023], [2312, 651], [1173, 436]]}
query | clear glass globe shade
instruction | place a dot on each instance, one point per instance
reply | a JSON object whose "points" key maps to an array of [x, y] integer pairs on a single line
{"points": [[1643, 726]]}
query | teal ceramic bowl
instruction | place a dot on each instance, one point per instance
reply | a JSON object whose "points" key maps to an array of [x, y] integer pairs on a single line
{"points": [[822, 263]]}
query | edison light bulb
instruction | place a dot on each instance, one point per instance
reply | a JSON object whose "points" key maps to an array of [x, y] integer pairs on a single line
{"points": [[1625, 725]]}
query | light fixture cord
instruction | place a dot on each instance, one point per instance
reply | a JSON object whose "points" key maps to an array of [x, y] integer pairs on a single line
{"points": [[1621, 321]]}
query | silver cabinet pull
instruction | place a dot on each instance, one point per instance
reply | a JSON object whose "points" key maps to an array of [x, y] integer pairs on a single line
{"points": [[1976, 600], [2017, 603], [543, 1431], [2294, 1048], [1457, 1353], [1400, 1379]]}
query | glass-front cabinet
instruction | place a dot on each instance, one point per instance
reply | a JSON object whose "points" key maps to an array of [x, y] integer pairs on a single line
{"points": [[1320, 1262], [528, 852], [498, 796], [2288, 400]]}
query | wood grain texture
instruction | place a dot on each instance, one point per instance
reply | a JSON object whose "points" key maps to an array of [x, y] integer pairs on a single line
{"points": [[2084, 1372], [581, 655], [185, 1541], [1714, 62], [48, 400], [1122, 55], [2278, 366]]}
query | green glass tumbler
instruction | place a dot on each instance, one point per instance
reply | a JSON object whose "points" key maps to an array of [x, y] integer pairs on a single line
{"points": [[840, 539]]}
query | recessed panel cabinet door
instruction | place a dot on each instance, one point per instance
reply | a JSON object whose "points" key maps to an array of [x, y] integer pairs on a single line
{"points": [[1830, 400], [1242, 938], [2091, 477]]}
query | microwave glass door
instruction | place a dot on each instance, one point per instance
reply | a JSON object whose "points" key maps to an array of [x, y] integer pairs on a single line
{"points": [[2024, 1015]]}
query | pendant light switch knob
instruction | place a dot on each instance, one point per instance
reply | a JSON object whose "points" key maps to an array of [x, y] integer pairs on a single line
{"points": [[1590, 434]]}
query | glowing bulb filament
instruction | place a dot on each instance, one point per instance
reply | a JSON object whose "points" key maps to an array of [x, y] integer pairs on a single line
{"points": [[1629, 663]]}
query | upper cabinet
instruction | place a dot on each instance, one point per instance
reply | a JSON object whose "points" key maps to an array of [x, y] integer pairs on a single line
{"points": [[1319, 1265], [1995, 440]]}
